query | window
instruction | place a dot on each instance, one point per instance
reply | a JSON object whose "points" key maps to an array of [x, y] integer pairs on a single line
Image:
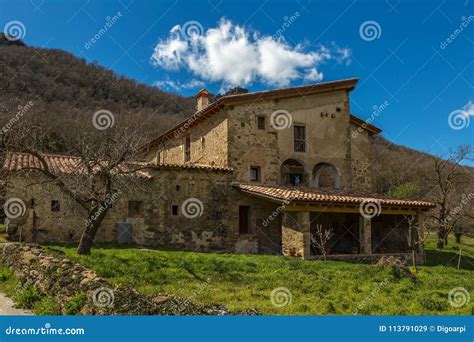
{"points": [[135, 209], [299, 138], [244, 219], [174, 210], [55, 206], [261, 122], [32, 203], [255, 173], [178, 187], [187, 149]]}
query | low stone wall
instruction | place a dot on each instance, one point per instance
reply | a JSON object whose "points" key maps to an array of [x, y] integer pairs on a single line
{"points": [[55, 275]]}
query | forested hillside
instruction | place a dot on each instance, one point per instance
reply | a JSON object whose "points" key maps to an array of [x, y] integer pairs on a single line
{"points": [[64, 87], [58, 87]]}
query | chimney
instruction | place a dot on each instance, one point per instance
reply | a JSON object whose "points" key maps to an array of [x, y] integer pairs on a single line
{"points": [[202, 99]]}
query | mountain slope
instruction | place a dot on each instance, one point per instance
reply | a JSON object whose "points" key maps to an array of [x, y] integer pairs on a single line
{"points": [[64, 86]]}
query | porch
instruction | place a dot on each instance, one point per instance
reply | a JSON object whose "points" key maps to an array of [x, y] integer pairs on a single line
{"points": [[361, 226]]}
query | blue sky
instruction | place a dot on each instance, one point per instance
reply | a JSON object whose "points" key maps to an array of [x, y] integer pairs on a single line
{"points": [[403, 58]]}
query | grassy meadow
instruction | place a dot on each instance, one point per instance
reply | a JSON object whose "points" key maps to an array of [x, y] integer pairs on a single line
{"points": [[303, 287]]}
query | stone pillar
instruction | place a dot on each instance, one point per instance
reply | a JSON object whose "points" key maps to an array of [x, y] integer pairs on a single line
{"points": [[417, 232], [365, 235], [295, 234]]}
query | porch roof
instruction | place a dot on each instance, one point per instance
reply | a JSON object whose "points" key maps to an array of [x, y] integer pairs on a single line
{"points": [[327, 196]]}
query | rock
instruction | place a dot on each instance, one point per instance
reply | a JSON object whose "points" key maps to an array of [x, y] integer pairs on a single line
{"points": [[161, 299]]}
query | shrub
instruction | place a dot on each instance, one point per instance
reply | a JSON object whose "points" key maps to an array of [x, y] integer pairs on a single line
{"points": [[75, 305], [27, 297]]}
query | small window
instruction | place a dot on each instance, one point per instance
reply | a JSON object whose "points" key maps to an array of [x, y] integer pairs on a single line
{"points": [[174, 210], [187, 149], [159, 158], [255, 173], [135, 209], [55, 206], [261, 122], [32, 203], [299, 138], [178, 187]]}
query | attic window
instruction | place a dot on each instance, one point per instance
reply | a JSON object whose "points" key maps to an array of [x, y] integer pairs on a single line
{"points": [[261, 122]]}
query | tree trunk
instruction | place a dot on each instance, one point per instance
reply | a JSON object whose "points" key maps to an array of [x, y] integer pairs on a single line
{"points": [[95, 218], [458, 237], [440, 244]]}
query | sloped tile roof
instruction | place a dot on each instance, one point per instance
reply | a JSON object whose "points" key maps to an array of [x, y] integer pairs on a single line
{"points": [[63, 164], [326, 195]]}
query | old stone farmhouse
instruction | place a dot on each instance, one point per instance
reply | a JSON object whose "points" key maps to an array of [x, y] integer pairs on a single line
{"points": [[249, 173]]}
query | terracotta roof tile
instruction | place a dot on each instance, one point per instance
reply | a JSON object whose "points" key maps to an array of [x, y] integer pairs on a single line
{"points": [[62, 164], [326, 195]]}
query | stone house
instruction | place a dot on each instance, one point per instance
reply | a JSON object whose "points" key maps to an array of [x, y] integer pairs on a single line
{"points": [[260, 172]]}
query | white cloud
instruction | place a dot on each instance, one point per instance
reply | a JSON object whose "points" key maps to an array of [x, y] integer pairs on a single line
{"points": [[236, 55], [176, 85], [469, 108]]}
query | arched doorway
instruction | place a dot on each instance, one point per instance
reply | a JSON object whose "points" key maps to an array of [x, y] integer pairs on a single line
{"points": [[292, 172], [326, 175]]}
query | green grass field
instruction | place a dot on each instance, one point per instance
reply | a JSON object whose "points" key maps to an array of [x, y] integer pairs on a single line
{"points": [[317, 287]]}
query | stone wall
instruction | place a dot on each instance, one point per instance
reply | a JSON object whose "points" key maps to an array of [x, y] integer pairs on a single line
{"points": [[57, 276], [361, 159], [326, 119], [208, 144]]}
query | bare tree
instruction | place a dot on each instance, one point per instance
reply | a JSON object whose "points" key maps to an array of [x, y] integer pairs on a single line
{"points": [[449, 180], [104, 166], [321, 238]]}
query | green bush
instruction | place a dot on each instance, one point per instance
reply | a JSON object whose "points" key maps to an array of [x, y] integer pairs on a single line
{"points": [[47, 306], [75, 305], [27, 297]]}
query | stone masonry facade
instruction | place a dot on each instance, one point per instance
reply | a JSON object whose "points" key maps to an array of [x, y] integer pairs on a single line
{"points": [[302, 137]]}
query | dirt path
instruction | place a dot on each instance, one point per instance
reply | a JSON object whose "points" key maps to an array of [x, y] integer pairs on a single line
{"points": [[7, 309]]}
